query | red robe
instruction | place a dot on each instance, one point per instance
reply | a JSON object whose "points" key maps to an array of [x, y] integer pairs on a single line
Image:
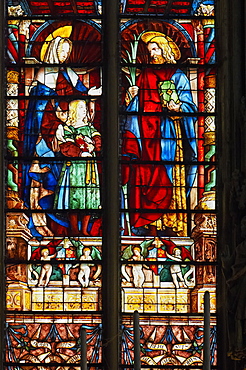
{"points": [[148, 184], [50, 121]]}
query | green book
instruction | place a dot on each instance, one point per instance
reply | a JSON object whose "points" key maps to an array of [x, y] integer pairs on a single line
{"points": [[167, 91]]}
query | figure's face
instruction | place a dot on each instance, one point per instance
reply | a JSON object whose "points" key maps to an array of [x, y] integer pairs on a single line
{"points": [[66, 244], [155, 53], [45, 253], [177, 253], [87, 252], [81, 111], [63, 52], [136, 251]]}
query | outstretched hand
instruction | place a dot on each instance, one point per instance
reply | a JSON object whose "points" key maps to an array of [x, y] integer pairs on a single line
{"points": [[94, 91]]}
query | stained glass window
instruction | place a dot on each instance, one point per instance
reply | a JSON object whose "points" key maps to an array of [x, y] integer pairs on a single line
{"points": [[53, 193], [168, 178], [55, 160]]}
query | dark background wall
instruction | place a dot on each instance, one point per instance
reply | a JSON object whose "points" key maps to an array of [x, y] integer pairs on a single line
{"points": [[231, 139]]}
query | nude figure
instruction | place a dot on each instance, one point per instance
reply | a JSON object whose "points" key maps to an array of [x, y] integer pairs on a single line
{"points": [[84, 273], [137, 270], [46, 269], [176, 269]]}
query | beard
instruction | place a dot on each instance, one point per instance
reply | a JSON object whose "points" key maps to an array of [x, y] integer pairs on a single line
{"points": [[157, 59]]}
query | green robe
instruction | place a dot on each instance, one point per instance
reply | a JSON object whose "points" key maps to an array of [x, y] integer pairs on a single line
{"points": [[78, 185]]}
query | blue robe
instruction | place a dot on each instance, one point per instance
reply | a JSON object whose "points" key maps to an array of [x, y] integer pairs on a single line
{"points": [[31, 148]]}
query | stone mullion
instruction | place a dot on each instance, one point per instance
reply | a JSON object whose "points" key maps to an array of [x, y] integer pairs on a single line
{"points": [[110, 243]]}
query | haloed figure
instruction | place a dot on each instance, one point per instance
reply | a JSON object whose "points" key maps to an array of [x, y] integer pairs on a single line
{"points": [[52, 84], [161, 136]]}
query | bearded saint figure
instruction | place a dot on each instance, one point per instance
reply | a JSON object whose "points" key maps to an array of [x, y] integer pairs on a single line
{"points": [[164, 135]]}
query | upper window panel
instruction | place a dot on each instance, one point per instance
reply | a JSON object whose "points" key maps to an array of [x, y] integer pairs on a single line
{"points": [[55, 7], [168, 7]]}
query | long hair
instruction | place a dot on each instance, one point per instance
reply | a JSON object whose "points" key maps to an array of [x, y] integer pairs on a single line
{"points": [[170, 50], [167, 52], [72, 113]]}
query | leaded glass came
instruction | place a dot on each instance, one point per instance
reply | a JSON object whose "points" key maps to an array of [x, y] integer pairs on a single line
{"points": [[54, 163]]}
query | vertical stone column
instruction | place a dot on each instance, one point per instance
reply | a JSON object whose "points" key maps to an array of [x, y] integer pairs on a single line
{"points": [[110, 251], [232, 159]]}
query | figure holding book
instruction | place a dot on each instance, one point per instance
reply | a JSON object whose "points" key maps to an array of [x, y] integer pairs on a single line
{"points": [[161, 139]]}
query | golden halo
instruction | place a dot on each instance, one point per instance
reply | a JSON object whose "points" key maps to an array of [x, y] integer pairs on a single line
{"points": [[64, 31], [153, 36]]}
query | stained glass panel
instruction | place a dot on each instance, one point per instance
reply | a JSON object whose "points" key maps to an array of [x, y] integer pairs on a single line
{"points": [[168, 177], [174, 341], [54, 174], [37, 340]]}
